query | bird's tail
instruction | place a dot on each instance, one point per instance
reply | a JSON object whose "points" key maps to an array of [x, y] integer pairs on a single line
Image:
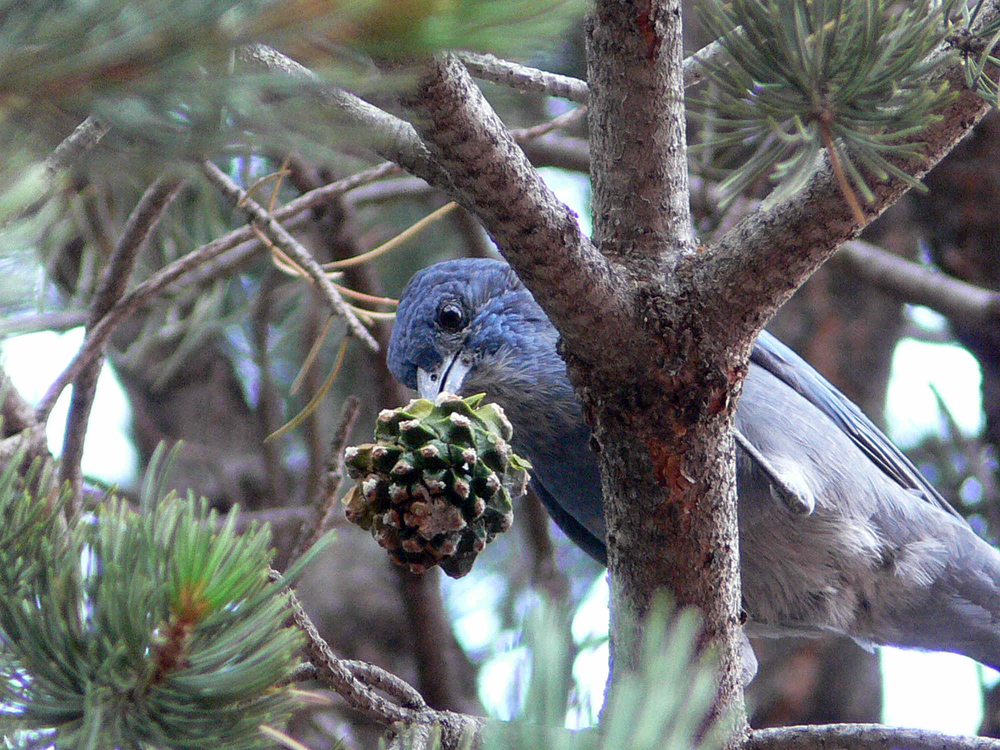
{"points": [[962, 611]]}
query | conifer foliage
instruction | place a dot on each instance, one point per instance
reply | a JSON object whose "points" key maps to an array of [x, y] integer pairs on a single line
{"points": [[156, 624], [127, 629], [848, 78]]}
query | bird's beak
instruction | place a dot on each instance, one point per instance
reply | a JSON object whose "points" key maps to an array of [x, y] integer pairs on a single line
{"points": [[446, 378]]}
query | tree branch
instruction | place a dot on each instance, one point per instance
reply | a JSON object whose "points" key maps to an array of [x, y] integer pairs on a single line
{"points": [[526, 78], [187, 269], [263, 220], [919, 285], [523, 77], [195, 268], [84, 137], [143, 220], [862, 737], [757, 265], [350, 680], [536, 232], [386, 135], [51, 321]]}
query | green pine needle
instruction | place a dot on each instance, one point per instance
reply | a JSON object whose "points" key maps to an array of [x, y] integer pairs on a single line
{"points": [[665, 703], [801, 78], [154, 629]]}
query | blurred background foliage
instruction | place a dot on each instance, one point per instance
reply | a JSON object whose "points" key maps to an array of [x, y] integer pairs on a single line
{"points": [[210, 360]]}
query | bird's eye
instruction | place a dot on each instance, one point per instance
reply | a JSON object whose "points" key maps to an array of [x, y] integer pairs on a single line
{"points": [[451, 316]]}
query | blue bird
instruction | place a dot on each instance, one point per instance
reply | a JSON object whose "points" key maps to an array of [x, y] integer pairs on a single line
{"points": [[839, 532]]}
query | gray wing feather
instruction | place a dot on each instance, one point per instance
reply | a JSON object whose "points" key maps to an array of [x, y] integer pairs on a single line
{"points": [[798, 375]]}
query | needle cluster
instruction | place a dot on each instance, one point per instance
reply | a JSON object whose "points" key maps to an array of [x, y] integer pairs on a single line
{"points": [[800, 78], [121, 629]]}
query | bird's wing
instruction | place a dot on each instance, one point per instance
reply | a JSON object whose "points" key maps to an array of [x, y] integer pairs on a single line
{"points": [[798, 375], [579, 534]]}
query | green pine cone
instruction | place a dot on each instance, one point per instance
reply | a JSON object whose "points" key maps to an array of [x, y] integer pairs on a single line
{"points": [[436, 485]]}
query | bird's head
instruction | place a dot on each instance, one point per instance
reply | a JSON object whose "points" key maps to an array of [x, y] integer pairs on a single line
{"points": [[463, 326], [470, 326]]}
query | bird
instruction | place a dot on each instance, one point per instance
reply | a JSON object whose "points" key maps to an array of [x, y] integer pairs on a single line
{"points": [[839, 532]]}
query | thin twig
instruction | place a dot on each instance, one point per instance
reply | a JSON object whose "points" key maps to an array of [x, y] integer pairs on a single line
{"points": [[144, 218], [75, 432], [439, 658], [345, 678], [52, 321], [323, 509], [862, 737], [526, 78], [565, 120], [696, 65], [195, 266], [324, 194], [919, 285], [332, 672], [387, 682], [397, 188], [84, 137], [93, 344], [291, 247], [305, 672]]}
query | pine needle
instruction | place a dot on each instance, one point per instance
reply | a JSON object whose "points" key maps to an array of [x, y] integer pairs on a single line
{"points": [[283, 739], [371, 314], [310, 357], [844, 77], [394, 242], [280, 260], [370, 298], [316, 400], [276, 176]]}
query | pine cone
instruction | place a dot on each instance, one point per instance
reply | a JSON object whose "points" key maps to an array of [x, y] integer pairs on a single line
{"points": [[436, 486]]}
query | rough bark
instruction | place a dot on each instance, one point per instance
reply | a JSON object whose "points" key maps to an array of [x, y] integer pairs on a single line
{"points": [[656, 357], [663, 420]]}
